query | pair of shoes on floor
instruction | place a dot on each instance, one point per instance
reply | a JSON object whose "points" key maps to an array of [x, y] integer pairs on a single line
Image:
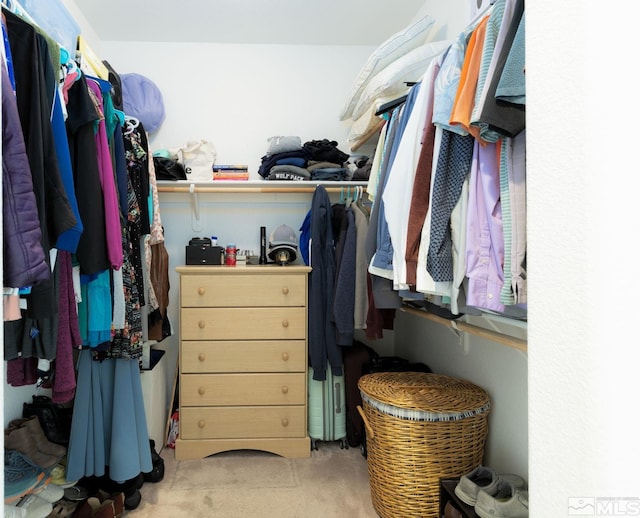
{"points": [[494, 495]]}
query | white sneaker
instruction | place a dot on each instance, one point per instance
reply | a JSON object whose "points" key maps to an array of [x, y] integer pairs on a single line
{"points": [[51, 493], [35, 506], [485, 479], [11, 511], [508, 502]]}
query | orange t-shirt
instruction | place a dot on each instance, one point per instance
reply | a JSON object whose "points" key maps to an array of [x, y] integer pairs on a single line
{"points": [[466, 93]]}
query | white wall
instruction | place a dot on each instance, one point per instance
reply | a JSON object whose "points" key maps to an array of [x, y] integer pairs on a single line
{"points": [[582, 188], [497, 368], [237, 96]]}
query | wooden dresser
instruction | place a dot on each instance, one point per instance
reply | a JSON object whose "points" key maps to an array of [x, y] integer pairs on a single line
{"points": [[243, 360]]}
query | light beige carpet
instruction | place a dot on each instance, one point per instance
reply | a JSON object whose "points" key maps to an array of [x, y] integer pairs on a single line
{"points": [[237, 470], [332, 483]]}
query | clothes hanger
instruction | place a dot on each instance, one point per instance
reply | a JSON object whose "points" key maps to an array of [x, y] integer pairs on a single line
{"points": [[131, 124], [16, 8], [388, 106]]}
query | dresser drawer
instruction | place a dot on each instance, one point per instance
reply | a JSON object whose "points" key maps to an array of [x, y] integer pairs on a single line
{"points": [[242, 389], [242, 422], [248, 323], [244, 356], [238, 290]]}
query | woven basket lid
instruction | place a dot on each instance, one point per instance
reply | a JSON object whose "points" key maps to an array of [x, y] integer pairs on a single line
{"points": [[423, 396]]}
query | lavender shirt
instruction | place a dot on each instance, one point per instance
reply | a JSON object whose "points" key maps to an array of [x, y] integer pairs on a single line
{"points": [[485, 242]]}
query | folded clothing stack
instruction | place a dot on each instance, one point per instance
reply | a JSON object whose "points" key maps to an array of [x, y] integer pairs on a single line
{"points": [[288, 159]]}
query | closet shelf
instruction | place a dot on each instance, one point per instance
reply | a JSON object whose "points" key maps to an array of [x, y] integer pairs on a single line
{"points": [[516, 343], [253, 186]]}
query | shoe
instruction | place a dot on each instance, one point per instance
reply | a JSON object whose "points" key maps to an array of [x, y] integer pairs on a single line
{"points": [[76, 493], [102, 509], [157, 472], [129, 488], [92, 507], [117, 499], [482, 478], [22, 440], [32, 424], [63, 509], [51, 493], [11, 511], [451, 512], [507, 502], [20, 476], [59, 477], [132, 500], [35, 506]]}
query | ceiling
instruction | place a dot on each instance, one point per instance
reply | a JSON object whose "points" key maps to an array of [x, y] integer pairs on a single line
{"points": [[288, 22]]}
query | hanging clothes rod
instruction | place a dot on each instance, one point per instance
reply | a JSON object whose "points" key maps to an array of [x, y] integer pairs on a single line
{"points": [[310, 187], [516, 343]]}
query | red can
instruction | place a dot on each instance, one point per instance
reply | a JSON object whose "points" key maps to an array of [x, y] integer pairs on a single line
{"points": [[230, 255]]}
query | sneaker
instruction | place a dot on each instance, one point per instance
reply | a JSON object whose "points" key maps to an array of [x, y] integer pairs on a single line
{"points": [[485, 479], [11, 511], [507, 502], [50, 493], [35, 506], [59, 477], [20, 476]]}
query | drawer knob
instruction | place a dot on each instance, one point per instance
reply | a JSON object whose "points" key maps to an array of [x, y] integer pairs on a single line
{"points": [[285, 323], [285, 290], [201, 290], [285, 356], [201, 324], [201, 423], [201, 391], [285, 422], [285, 389], [201, 357]]}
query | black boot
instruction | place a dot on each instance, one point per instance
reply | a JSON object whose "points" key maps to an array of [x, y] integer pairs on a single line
{"points": [[157, 473]]}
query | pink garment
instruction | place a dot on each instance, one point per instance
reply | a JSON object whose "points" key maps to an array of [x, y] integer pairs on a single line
{"points": [[64, 381], [69, 79], [107, 180], [11, 307]]}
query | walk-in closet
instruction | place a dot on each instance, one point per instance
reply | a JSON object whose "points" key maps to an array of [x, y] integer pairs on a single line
{"points": [[553, 348]]}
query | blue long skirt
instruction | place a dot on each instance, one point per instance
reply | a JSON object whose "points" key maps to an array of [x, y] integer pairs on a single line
{"points": [[109, 426]]}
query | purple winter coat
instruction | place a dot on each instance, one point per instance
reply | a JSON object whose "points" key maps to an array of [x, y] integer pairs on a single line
{"points": [[23, 255]]}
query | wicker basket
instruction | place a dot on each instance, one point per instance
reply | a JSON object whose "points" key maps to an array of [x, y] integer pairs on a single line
{"points": [[421, 427]]}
